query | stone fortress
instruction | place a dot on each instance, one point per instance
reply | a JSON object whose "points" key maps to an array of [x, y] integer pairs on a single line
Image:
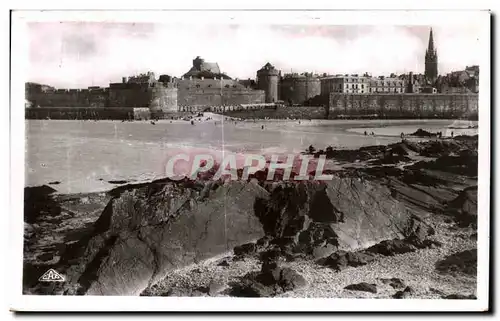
{"points": [[205, 88]]}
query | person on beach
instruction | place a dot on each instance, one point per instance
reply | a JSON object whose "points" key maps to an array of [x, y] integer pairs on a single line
{"points": [[262, 127], [366, 134]]}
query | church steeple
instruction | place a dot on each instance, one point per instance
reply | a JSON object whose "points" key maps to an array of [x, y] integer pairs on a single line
{"points": [[430, 47], [431, 61]]}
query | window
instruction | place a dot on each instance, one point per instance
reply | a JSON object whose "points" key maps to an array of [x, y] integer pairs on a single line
{"points": [[362, 86]]}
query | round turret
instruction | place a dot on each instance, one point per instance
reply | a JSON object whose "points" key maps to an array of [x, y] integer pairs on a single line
{"points": [[267, 80]]}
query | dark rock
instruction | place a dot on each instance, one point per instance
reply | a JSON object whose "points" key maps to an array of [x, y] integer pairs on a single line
{"points": [[462, 262], [118, 182], [460, 297], [322, 251], [396, 283], [272, 255], [461, 165], [342, 259], [391, 247], [463, 209], [263, 242], [290, 280], [427, 244], [390, 159], [437, 148], [245, 249], [272, 280], [363, 286], [423, 133], [337, 261], [223, 263], [250, 288], [38, 202], [45, 257], [148, 229], [405, 294]]}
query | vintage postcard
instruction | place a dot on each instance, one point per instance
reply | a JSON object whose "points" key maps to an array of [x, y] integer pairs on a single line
{"points": [[250, 160]]}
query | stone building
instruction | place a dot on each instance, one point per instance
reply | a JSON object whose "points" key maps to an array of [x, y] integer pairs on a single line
{"points": [[268, 79], [299, 89], [387, 85], [413, 82], [353, 84], [205, 85], [461, 81]]}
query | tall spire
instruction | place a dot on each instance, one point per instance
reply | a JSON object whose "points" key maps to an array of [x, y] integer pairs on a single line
{"points": [[430, 47], [431, 60]]}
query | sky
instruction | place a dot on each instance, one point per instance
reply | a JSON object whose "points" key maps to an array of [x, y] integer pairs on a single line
{"points": [[82, 54]]}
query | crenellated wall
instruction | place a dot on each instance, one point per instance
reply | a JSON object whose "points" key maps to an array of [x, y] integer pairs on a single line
{"points": [[157, 96], [403, 105], [70, 98]]}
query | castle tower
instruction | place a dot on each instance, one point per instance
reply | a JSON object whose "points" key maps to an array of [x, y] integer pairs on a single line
{"points": [[267, 80], [431, 61]]}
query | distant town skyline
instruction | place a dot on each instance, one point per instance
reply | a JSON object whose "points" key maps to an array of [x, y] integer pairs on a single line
{"points": [[78, 55]]}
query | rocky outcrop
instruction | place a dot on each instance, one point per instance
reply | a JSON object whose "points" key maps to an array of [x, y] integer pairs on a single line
{"points": [[464, 207], [38, 201], [272, 280], [463, 262], [148, 229], [404, 294]]}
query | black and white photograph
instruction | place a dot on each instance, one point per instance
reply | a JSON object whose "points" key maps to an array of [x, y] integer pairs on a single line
{"points": [[243, 160]]}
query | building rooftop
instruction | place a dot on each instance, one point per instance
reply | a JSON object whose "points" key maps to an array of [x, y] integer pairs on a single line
{"points": [[201, 68]]}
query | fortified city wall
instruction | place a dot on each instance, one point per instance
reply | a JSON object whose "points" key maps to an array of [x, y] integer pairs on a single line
{"points": [[70, 98], [119, 95], [403, 105], [408, 106]]}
